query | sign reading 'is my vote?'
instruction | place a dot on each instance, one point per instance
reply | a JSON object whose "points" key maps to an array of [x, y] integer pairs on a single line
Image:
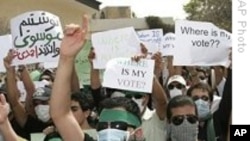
{"points": [[36, 37], [125, 74]]}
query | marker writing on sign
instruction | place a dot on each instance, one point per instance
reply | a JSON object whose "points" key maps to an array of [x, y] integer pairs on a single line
{"points": [[43, 19], [33, 52], [204, 43], [49, 49], [34, 38]]}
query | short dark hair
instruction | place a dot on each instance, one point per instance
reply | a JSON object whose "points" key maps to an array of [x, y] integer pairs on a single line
{"points": [[128, 104], [202, 86], [48, 73], [179, 101], [83, 100]]}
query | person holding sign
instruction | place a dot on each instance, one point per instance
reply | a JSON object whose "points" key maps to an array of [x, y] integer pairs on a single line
{"points": [[40, 98], [60, 111]]}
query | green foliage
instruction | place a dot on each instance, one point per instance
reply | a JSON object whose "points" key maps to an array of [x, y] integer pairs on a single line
{"points": [[218, 12], [156, 22]]}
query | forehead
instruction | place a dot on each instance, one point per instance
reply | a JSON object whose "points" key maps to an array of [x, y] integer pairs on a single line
{"points": [[37, 102], [183, 110], [175, 83], [74, 103], [199, 92]]}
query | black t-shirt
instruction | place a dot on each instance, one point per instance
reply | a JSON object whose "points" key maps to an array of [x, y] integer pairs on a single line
{"points": [[34, 125], [88, 138], [19, 130]]}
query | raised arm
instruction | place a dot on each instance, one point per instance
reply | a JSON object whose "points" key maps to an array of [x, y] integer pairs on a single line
{"points": [[29, 87], [158, 93], [61, 114], [94, 73], [75, 86], [13, 92], [5, 127]]}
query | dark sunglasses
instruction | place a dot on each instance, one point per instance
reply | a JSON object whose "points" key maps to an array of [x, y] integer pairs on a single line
{"points": [[178, 86], [138, 96], [202, 77], [205, 98], [48, 79], [178, 120], [114, 125]]}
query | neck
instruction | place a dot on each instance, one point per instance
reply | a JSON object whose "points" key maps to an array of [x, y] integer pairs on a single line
{"points": [[85, 125]]}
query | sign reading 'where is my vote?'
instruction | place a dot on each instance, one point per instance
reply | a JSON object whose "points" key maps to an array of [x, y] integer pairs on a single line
{"points": [[36, 37], [200, 44], [125, 74]]}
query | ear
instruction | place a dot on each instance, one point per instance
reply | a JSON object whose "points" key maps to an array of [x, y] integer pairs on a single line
{"points": [[87, 113]]}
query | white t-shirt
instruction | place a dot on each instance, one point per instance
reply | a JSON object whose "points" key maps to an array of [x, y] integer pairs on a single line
{"points": [[153, 128]]}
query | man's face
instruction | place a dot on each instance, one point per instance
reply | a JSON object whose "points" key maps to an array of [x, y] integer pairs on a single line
{"points": [[47, 78], [184, 111], [200, 94], [81, 116], [176, 88], [116, 124]]}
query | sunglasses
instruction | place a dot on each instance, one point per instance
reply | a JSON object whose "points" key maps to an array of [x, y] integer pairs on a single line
{"points": [[138, 96], [178, 120], [205, 98], [114, 125], [202, 77], [48, 79], [178, 86]]}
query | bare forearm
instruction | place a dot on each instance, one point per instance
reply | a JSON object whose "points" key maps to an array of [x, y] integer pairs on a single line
{"points": [[95, 78], [60, 99], [160, 99], [7, 132], [30, 89], [75, 86], [12, 90]]}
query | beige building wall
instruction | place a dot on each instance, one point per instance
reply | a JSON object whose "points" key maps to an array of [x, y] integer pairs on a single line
{"points": [[68, 10], [113, 12]]}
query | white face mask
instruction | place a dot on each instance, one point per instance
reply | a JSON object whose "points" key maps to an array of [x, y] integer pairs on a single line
{"points": [[175, 92], [113, 135], [139, 103], [42, 112], [203, 81]]}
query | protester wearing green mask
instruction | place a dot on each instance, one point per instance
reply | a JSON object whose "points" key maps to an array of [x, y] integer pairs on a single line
{"points": [[61, 114]]}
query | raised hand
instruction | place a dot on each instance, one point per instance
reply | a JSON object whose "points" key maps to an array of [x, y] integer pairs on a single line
{"points": [[158, 63], [91, 55], [74, 38], [4, 109], [8, 60]]}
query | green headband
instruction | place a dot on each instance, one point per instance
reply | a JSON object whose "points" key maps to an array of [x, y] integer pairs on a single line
{"points": [[110, 115]]}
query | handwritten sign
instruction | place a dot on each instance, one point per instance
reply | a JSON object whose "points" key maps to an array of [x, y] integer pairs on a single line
{"points": [[201, 44], [82, 64], [36, 37], [123, 73], [152, 39], [5, 46], [114, 43], [168, 44]]}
